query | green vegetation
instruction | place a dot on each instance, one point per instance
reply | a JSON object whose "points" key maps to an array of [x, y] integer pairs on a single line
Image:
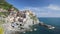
{"points": [[6, 6], [1, 30], [2, 21], [33, 17], [4, 14]]}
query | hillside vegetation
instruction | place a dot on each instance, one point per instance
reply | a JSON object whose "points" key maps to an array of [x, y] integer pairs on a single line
{"points": [[6, 6]]}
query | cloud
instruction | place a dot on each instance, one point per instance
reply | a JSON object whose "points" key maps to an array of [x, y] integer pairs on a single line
{"points": [[53, 7], [48, 11]]}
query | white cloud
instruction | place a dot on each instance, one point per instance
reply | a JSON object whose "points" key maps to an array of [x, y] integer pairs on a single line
{"points": [[49, 11], [54, 7]]}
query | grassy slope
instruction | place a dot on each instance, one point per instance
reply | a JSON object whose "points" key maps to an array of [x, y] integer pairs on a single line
{"points": [[6, 6]]}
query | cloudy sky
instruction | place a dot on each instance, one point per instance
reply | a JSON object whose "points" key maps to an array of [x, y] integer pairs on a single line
{"points": [[42, 8]]}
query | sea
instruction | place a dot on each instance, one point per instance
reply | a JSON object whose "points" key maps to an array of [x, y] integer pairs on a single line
{"points": [[50, 21]]}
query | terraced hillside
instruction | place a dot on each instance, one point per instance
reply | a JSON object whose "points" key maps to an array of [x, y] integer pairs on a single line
{"points": [[5, 6]]}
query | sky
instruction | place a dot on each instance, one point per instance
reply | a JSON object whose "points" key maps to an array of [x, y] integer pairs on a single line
{"points": [[42, 8]]}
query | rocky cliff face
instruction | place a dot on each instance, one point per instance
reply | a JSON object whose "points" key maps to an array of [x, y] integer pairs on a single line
{"points": [[20, 22]]}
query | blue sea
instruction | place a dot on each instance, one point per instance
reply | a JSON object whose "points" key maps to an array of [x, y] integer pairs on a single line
{"points": [[51, 21]]}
